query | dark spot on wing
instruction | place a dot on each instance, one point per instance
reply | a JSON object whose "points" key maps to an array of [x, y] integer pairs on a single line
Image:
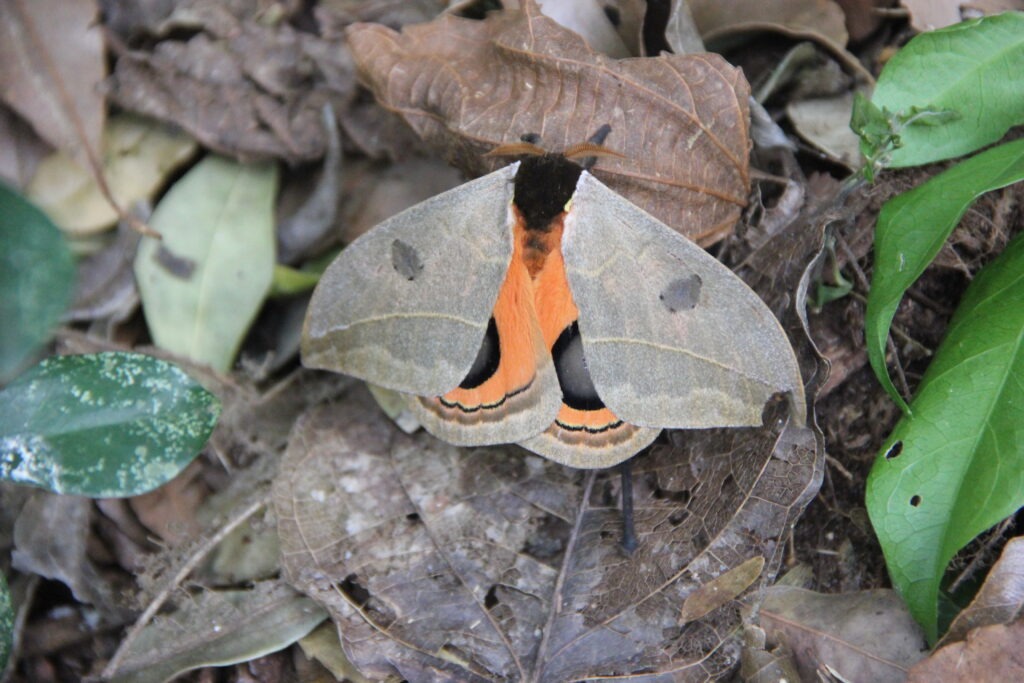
{"points": [[682, 294], [406, 260]]}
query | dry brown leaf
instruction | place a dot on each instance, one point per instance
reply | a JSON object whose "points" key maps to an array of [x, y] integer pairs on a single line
{"points": [[865, 636], [238, 86], [440, 563], [51, 67], [991, 653], [928, 15], [467, 86], [1000, 599], [20, 149], [862, 17], [822, 20]]}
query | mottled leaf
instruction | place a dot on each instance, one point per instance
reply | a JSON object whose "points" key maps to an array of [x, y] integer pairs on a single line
{"points": [[6, 623], [955, 466], [36, 278], [441, 563], [137, 157], [216, 628], [104, 425], [51, 65], [467, 86], [204, 282]]}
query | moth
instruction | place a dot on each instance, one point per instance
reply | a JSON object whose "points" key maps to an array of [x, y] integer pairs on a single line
{"points": [[536, 306]]}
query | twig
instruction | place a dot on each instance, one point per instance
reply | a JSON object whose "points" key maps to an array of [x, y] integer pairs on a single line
{"points": [[198, 556]]}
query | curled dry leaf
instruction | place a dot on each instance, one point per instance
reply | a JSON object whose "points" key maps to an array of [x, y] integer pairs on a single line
{"points": [[440, 563], [1000, 599], [990, 653], [467, 86], [240, 87], [51, 66]]}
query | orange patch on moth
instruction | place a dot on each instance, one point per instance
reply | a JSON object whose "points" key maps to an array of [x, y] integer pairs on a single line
{"points": [[534, 307], [520, 341]]}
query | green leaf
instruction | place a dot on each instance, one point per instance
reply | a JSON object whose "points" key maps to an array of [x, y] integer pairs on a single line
{"points": [[288, 281], [203, 284], [956, 467], [6, 623], [37, 276], [913, 227], [975, 68], [104, 425]]}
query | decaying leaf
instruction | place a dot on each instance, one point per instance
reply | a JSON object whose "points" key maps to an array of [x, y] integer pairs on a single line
{"points": [[865, 636], [440, 563], [137, 157], [51, 540], [467, 86], [238, 86], [218, 628], [20, 149], [51, 66], [822, 20], [825, 123], [990, 653], [1000, 599]]}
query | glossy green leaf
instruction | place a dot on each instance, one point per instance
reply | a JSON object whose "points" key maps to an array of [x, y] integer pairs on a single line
{"points": [[103, 425], [6, 623], [956, 467], [37, 275], [203, 284], [913, 227], [974, 68]]}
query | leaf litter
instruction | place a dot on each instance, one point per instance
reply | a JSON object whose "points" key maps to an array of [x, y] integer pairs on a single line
{"points": [[494, 563], [253, 428]]}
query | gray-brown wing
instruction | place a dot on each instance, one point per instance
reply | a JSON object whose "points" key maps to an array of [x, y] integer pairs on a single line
{"points": [[406, 305], [672, 338]]}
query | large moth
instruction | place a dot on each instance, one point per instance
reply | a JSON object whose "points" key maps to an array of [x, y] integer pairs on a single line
{"points": [[536, 306]]}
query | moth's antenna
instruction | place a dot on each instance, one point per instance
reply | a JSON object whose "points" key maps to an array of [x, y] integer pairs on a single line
{"points": [[588, 152], [512, 149]]}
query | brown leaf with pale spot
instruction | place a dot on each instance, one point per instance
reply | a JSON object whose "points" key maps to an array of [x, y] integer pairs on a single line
{"points": [[467, 86], [441, 563]]}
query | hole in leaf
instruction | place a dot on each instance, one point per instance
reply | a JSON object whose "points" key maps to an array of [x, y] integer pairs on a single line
{"points": [[894, 450], [413, 517], [491, 599], [354, 590], [915, 500], [548, 541]]}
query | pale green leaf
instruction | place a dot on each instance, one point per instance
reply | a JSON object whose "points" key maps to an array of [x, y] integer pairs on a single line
{"points": [[203, 284]]}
